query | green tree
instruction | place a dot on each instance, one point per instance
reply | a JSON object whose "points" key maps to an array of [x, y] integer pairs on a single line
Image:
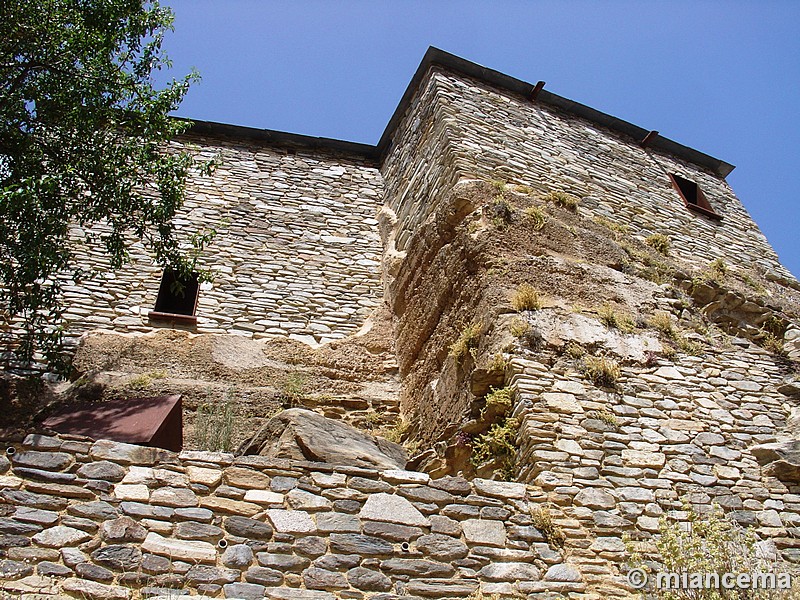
{"points": [[84, 140]]}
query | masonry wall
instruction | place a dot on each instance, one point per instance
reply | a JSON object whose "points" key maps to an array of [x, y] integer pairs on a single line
{"points": [[96, 520], [501, 136], [298, 252], [419, 169], [669, 432]]}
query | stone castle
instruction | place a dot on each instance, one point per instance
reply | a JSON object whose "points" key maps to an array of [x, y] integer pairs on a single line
{"points": [[505, 261]]}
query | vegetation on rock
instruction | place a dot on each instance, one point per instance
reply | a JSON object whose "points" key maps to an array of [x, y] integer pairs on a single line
{"points": [[526, 297], [564, 200], [498, 446], [659, 242], [705, 542], [467, 340], [601, 371], [544, 522], [614, 319]]}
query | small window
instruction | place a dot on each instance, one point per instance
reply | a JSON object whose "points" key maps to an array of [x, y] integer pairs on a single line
{"points": [[177, 298], [693, 196]]}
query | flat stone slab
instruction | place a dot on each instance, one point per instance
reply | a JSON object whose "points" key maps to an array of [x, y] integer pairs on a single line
{"points": [[123, 453], [180, 549], [301, 434], [291, 521], [500, 489], [484, 532], [96, 591], [60, 536], [389, 508]]}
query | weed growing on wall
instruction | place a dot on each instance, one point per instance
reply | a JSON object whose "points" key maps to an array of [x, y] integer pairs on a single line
{"points": [[543, 521], [658, 242], [293, 389], [661, 321], [611, 225], [601, 371], [564, 200], [537, 217], [614, 319], [466, 342], [498, 445], [500, 399], [605, 416], [214, 425], [705, 542]]}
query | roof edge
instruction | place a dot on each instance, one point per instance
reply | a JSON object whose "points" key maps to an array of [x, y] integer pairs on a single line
{"points": [[438, 57], [270, 136]]}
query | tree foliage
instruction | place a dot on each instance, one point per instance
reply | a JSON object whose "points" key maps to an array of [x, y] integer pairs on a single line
{"points": [[84, 133]]}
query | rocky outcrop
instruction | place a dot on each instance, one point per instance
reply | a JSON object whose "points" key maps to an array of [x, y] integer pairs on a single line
{"points": [[300, 434]]}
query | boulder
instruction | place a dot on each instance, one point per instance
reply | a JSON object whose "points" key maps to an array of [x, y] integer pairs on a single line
{"points": [[301, 434], [780, 459], [788, 451]]}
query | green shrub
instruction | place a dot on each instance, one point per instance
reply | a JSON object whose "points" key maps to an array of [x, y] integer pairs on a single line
{"points": [[466, 341], [659, 242], [705, 542], [526, 298], [564, 200], [499, 444], [601, 371], [497, 363], [500, 397]]}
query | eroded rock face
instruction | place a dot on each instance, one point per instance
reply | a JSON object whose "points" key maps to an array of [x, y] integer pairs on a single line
{"points": [[301, 434]]}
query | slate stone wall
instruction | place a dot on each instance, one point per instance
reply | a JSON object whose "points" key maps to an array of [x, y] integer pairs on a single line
{"points": [[418, 169], [297, 255], [620, 459], [99, 519], [494, 135]]}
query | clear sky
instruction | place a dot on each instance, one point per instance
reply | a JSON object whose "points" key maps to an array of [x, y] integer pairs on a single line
{"points": [[722, 77]]}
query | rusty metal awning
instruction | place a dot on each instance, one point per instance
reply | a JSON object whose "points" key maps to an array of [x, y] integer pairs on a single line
{"points": [[154, 421]]}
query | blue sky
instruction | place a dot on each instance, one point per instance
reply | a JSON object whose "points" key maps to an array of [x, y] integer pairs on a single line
{"points": [[721, 77]]}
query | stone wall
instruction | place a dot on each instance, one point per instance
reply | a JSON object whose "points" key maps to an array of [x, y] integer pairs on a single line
{"points": [[96, 520], [298, 252], [667, 433], [418, 169], [497, 135]]}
